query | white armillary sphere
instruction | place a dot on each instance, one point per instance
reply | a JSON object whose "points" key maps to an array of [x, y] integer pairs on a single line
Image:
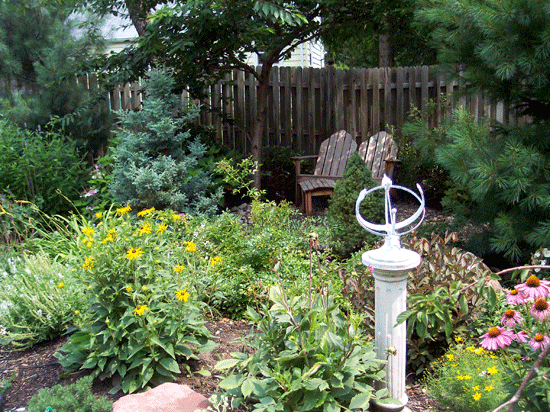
{"points": [[391, 227], [391, 265]]}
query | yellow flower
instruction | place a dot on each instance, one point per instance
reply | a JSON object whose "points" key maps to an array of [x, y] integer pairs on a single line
{"points": [[471, 349], [450, 356], [179, 268], [176, 217], [88, 231], [144, 288], [129, 289], [476, 388], [489, 388], [459, 377], [479, 351], [466, 377], [477, 396], [492, 370], [88, 263], [182, 295], [162, 227], [138, 311], [190, 247], [76, 312], [133, 253], [60, 285], [121, 211], [214, 261], [146, 212], [146, 228], [458, 338], [99, 215]]}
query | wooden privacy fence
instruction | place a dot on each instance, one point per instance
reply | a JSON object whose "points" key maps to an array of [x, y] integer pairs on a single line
{"points": [[307, 105]]}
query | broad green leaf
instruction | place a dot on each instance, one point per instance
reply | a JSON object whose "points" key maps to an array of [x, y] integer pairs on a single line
{"points": [[226, 364], [360, 401], [170, 364], [403, 316], [246, 387], [231, 382]]}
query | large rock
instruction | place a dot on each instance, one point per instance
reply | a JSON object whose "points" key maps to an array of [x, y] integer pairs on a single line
{"points": [[168, 397]]}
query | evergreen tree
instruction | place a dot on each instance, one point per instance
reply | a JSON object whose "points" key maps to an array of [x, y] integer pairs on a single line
{"points": [[157, 160], [501, 47], [347, 236], [41, 53]]}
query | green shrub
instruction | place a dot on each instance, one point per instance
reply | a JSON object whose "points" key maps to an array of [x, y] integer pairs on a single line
{"points": [[40, 299], [305, 356], [77, 397], [158, 163], [144, 321], [42, 168], [347, 236], [467, 379]]}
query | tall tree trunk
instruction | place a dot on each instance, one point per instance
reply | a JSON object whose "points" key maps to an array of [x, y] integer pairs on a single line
{"points": [[260, 121], [385, 48], [138, 14]]}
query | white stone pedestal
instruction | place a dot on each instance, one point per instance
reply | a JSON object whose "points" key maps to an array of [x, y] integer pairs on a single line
{"points": [[391, 266]]}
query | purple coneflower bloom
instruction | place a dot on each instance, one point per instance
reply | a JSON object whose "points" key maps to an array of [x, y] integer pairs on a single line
{"points": [[539, 341], [540, 310], [511, 318], [497, 337], [534, 288], [522, 336], [514, 298]]}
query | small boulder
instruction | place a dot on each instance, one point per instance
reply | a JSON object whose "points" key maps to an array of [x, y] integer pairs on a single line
{"points": [[168, 397]]}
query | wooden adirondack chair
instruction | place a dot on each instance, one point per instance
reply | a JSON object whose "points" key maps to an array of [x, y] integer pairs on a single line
{"points": [[379, 153], [331, 163]]}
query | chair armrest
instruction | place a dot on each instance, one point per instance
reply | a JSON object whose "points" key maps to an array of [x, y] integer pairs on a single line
{"points": [[297, 160]]}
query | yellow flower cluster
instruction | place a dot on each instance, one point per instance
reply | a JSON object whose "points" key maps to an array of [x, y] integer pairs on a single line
{"points": [[146, 212], [145, 229], [190, 246], [179, 268], [111, 235], [121, 211], [88, 263], [215, 260]]}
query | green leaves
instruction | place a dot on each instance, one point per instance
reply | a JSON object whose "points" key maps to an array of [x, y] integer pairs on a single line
{"points": [[300, 361]]}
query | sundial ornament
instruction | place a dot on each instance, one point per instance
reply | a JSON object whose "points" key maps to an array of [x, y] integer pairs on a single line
{"points": [[391, 230], [391, 265]]}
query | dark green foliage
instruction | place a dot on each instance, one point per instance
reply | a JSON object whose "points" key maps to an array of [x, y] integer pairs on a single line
{"points": [[502, 47], [158, 163], [503, 173], [77, 397], [305, 356], [41, 57], [347, 236], [42, 168]]}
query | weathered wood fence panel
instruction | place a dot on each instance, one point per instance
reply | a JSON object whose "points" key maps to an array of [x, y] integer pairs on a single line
{"points": [[307, 105]]}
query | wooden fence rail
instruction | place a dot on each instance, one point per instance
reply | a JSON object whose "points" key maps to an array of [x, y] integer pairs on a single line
{"points": [[306, 105]]}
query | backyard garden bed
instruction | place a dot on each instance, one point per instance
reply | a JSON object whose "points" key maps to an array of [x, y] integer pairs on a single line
{"points": [[37, 369]]}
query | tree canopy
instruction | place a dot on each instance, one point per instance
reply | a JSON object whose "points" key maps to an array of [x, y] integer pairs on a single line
{"points": [[202, 40]]}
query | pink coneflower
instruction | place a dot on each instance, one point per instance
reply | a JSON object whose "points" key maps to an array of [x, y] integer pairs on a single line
{"points": [[540, 310], [497, 337], [539, 341], [534, 288], [514, 298], [511, 318], [522, 336]]}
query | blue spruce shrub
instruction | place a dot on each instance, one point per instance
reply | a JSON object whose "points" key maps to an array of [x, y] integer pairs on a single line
{"points": [[158, 162]]}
